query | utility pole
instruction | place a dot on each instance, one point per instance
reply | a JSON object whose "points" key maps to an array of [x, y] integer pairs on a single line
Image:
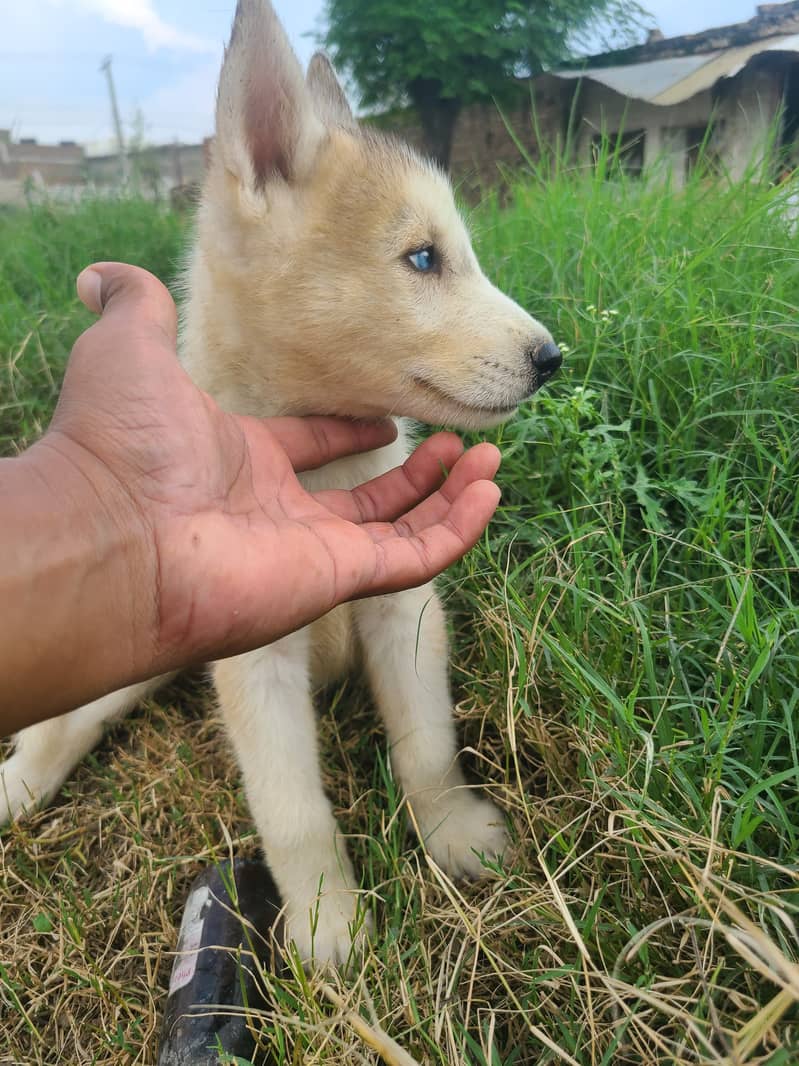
{"points": [[105, 66]]}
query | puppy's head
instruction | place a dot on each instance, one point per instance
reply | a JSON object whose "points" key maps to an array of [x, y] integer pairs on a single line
{"points": [[345, 257]]}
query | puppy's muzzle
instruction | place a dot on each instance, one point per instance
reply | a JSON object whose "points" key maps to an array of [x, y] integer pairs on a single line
{"points": [[545, 360]]}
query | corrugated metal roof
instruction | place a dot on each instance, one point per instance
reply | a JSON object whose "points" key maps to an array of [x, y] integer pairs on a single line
{"points": [[670, 81]]}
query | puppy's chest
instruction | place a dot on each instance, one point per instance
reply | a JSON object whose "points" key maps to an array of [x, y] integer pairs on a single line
{"points": [[354, 470], [335, 647]]}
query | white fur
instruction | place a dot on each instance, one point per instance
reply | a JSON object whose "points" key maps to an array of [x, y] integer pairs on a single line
{"points": [[300, 299], [45, 754]]}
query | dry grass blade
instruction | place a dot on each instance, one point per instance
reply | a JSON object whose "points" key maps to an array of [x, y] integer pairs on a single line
{"points": [[372, 1035]]}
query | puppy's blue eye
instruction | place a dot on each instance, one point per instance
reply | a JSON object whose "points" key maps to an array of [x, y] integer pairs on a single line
{"points": [[424, 260]]}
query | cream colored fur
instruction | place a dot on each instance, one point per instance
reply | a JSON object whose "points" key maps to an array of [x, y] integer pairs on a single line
{"points": [[300, 299]]}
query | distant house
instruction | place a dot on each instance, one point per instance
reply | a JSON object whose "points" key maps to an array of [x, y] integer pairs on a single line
{"points": [[63, 169], [153, 169], [723, 91], [718, 93], [26, 163]]}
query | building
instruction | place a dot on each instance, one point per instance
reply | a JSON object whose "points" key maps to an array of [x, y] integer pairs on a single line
{"points": [[153, 170], [730, 93], [719, 94], [67, 169], [26, 163]]}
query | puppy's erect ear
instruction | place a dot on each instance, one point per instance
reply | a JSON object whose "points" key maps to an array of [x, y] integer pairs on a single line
{"points": [[266, 125], [329, 99]]}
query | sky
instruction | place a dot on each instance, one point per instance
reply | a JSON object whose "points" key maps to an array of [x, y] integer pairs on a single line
{"points": [[165, 60]]}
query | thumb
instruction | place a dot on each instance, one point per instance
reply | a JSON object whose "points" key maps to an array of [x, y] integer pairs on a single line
{"points": [[116, 289]]}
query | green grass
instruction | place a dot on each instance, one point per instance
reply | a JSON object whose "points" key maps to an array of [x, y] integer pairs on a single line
{"points": [[663, 481], [626, 662], [42, 250]]}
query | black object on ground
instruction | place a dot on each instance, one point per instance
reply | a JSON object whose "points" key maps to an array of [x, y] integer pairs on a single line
{"points": [[213, 977]]}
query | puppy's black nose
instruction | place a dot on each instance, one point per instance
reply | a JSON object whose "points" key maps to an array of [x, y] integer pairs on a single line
{"points": [[546, 361]]}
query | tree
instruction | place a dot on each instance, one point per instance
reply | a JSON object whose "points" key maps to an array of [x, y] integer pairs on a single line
{"points": [[439, 55]]}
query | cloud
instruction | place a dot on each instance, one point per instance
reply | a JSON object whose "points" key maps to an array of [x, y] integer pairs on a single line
{"points": [[183, 107], [141, 15]]}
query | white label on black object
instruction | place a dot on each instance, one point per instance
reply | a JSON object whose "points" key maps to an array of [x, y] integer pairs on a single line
{"points": [[190, 938]]}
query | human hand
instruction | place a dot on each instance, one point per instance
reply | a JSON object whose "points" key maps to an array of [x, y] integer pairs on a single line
{"points": [[231, 552]]}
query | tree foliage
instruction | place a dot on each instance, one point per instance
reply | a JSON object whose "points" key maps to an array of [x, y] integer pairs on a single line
{"points": [[439, 55]]}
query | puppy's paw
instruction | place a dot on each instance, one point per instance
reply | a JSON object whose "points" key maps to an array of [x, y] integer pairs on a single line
{"points": [[23, 788], [460, 830], [326, 924]]}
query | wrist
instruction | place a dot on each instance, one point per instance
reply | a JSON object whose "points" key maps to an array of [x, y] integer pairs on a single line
{"points": [[78, 582]]}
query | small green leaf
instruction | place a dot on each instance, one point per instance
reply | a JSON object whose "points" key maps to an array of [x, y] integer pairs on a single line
{"points": [[42, 923]]}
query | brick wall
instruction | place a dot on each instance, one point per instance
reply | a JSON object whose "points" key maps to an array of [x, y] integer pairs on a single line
{"points": [[486, 140]]}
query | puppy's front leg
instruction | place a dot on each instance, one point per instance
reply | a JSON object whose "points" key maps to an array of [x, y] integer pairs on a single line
{"points": [[265, 698], [405, 645]]}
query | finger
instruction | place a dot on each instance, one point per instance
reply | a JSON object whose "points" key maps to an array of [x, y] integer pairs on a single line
{"points": [[387, 497], [314, 441], [113, 290], [406, 561], [480, 463]]}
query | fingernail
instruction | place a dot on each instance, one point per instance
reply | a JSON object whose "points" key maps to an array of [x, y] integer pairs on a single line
{"points": [[90, 290]]}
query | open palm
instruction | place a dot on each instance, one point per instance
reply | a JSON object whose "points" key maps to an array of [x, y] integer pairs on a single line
{"points": [[239, 552]]}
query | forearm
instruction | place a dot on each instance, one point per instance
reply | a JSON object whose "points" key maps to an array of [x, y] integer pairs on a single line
{"points": [[77, 588]]}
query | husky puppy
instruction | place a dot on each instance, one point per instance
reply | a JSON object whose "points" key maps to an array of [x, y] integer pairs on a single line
{"points": [[331, 273]]}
